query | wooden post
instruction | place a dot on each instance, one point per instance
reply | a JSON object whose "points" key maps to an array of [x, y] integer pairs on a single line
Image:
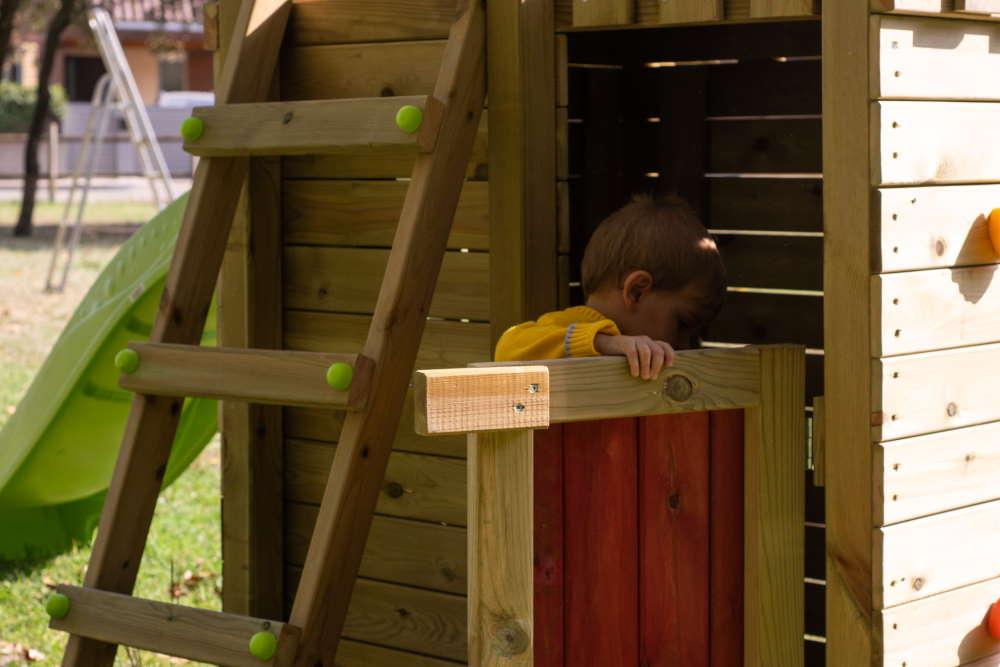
{"points": [[501, 575], [774, 458]]}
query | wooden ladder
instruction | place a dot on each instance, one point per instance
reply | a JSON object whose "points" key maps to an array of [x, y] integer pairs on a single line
{"points": [[371, 386]]}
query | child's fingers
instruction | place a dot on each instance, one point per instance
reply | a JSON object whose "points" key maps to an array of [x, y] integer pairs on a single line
{"points": [[659, 355], [645, 356], [668, 354], [633, 358]]}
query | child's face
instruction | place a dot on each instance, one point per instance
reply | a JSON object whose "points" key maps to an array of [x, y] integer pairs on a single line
{"points": [[673, 317]]}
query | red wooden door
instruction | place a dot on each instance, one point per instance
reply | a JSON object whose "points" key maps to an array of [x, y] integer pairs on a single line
{"points": [[639, 542]]}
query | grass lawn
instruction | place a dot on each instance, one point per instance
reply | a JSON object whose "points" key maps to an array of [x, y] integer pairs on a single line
{"points": [[182, 560]]}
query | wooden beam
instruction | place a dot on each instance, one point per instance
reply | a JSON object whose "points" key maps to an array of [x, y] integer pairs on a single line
{"points": [[774, 511], [819, 440], [279, 377], [187, 632], [501, 575], [309, 127], [847, 274], [591, 388]]}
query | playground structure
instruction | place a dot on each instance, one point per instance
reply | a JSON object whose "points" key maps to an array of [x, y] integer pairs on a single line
{"points": [[840, 160]]}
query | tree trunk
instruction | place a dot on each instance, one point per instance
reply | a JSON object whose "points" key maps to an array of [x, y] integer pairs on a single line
{"points": [[8, 8], [41, 116]]}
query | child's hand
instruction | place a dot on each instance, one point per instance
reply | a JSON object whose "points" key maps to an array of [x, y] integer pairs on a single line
{"points": [[646, 357]]}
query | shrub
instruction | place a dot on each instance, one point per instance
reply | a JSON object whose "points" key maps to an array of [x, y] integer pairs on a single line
{"points": [[17, 104]]}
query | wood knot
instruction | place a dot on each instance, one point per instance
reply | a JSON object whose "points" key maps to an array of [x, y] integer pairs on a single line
{"points": [[287, 118], [678, 388], [394, 489], [509, 639]]}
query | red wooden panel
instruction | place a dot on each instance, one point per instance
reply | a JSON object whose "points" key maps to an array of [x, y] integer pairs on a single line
{"points": [[727, 538], [674, 540], [601, 539], [549, 547]]}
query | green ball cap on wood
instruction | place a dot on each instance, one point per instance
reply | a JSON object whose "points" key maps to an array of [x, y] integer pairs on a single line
{"points": [[57, 606], [127, 360], [409, 118], [192, 128], [339, 376], [263, 645]]}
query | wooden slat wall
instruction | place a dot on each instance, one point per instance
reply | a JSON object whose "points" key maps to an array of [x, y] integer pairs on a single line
{"points": [[745, 150], [649, 12], [339, 217]]}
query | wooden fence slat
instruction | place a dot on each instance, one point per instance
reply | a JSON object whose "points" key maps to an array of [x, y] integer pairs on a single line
{"points": [[765, 88], [677, 11], [934, 142], [602, 12], [749, 317], [320, 22], [772, 8], [549, 560], [781, 262], [935, 473], [357, 654], [601, 600], [674, 532], [791, 145], [726, 526], [750, 204]]}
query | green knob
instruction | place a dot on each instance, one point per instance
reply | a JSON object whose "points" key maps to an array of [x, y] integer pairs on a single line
{"points": [[127, 360], [192, 128], [339, 376], [409, 118], [263, 645], [57, 606]]}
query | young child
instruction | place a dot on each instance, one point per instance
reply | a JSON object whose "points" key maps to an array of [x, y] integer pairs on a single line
{"points": [[653, 279]]}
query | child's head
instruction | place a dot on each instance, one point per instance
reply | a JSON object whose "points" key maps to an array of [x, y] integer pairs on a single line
{"points": [[653, 269]]}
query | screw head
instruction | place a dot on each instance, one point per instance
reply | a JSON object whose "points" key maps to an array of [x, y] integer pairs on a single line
{"points": [[409, 118], [952, 409], [192, 128], [263, 645], [339, 376], [127, 361], [57, 606]]}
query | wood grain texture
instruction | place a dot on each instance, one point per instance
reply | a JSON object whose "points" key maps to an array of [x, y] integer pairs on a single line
{"points": [[924, 228], [934, 142], [348, 280], [678, 11], [847, 275], [365, 213], [925, 58], [777, 262], [946, 629], [674, 571], [774, 459], [748, 204], [549, 548], [602, 12], [358, 654], [761, 318], [411, 553], [934, 391], [501, 574], [765, 146], [726, 541], [601, 538], [278, 377], [934, 473], [319, 22], [197, 634], [919, 558], [774, 8], [927, 310], [463, 400], [416, 486]]}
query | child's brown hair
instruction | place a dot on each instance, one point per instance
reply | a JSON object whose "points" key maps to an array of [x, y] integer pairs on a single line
{"points": [[664, 237]]}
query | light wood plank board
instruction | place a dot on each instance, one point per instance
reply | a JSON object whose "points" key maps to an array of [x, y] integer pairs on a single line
{"points": [[196, 634], [412, 553], [919, 311], [464, 400], [915, 143], [348, 280], [365, 213], [978, 6], [677, 11], [913, 5], [602, 12], [358, 654], [941, 631], [934, 473], [501, 537], [307, 127], [416, 486], [927, 58], [935, 391], [937, 553], [923, 228], [319, 22]]}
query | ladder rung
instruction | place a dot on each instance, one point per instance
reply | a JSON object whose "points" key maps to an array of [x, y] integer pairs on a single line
{"points": [[280, 377], [197, 634], [311, 127]]}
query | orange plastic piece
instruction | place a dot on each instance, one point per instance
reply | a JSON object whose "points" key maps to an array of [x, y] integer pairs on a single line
{"points": [[993, 620], [994, 225]]}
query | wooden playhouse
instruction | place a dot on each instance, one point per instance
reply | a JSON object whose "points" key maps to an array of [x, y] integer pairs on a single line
{"points": [[825, 495]]}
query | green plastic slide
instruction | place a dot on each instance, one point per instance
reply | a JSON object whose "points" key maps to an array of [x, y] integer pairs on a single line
{"points": [[59, 448]]}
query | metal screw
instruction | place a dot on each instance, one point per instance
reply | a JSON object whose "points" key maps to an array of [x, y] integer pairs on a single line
{"points": [[918, 583], [533, 388], [952, 409], [519, 407]]}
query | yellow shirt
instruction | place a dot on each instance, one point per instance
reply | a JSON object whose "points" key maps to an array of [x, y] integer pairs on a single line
{"points": [[564, 333]]}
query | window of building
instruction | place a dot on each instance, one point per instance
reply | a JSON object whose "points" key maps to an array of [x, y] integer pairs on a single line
{"points": [[80, 77], [172, 72]]}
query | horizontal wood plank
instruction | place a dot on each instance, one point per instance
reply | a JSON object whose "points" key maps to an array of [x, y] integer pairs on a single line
{"points": [[928, 310], [347, 280], [915, 143], [926, 58], [942, 631], [358, 654], [782, 262], [920, 476], [765, 88], [935, 391], [938, 553], [412, 553], [319, 22], [787, 145], [755, 318], [416, 486], [762, 204], [923, 228], [365, 213]]}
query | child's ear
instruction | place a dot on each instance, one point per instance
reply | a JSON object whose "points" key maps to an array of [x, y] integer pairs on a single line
{"points": [[637, 285]]}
